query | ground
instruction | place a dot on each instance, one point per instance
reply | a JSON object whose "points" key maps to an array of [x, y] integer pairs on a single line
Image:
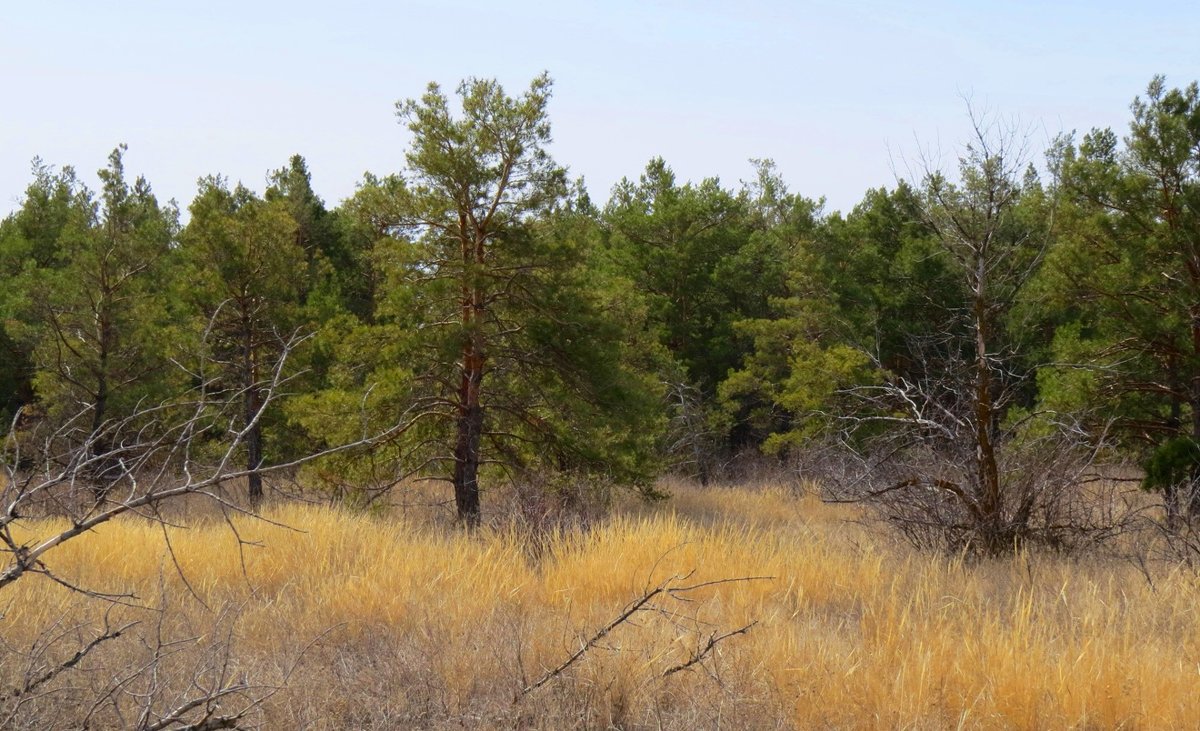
{"points": [[389, 618]]}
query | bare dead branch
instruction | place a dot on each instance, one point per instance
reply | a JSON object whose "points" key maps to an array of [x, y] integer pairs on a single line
{"points": [[669, 587], [702, 652]]}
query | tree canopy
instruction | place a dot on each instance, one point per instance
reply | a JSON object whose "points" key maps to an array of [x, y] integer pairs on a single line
{"points": [[479, 310]]}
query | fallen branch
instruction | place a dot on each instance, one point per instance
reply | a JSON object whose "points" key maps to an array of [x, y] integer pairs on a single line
{"points": [[702, 652], [630, 610], [643, 603], [33, 684]]}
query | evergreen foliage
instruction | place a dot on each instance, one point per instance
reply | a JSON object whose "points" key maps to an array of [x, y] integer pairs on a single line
{"points": [[479, 308]]}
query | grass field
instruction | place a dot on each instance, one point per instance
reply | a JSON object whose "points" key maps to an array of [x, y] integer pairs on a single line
{"points": [[395, 621]]}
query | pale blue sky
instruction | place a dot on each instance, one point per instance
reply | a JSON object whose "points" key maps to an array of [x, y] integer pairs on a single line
{"points": [[834, 92]]}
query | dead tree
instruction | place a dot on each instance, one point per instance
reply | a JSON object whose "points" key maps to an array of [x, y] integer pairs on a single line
{"points": [[693, 443], [946, 460]]}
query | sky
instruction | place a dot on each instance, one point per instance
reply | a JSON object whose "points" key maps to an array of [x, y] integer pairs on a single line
{"points": [[841, 95]]}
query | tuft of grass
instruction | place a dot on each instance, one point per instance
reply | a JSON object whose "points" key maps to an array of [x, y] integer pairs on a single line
{"points": [[417, 625]]}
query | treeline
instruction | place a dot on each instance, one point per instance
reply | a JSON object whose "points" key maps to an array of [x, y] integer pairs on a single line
{"points": [[476, 317]]}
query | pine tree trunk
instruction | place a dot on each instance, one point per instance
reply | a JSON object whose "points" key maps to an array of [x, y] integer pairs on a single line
{"points": [[1192, 505], [467, 442], [469, 426], [100, 447], [254, 450], [251, 403]]}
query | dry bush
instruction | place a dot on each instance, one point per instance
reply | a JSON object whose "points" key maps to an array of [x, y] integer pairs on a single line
{"points": [[1168, 536], [65, 479], [124, 666], [1055, 497], [538, 509]]}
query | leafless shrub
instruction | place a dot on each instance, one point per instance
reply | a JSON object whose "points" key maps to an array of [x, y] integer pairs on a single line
{"points": [[143, 464], [1053, 487], [749, 467], [144, 668], [538, 507], [1173, 534], [159, 454]]}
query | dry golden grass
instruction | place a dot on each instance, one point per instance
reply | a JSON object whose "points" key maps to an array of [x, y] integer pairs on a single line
{"points": [[403, 623]]}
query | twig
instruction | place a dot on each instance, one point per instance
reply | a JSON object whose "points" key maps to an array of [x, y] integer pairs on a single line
{"points": [[702, 652], [643, 603], [629, 611], [34, 683]]}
